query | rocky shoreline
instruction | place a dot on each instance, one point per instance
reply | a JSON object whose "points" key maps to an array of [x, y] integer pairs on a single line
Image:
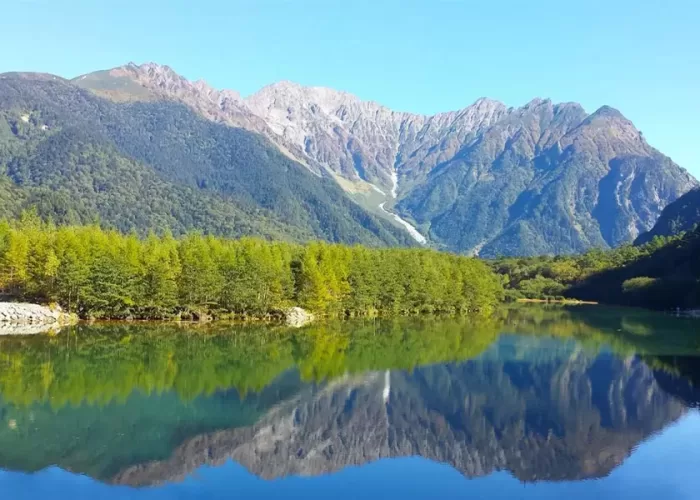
{"points": [[18, 318]]}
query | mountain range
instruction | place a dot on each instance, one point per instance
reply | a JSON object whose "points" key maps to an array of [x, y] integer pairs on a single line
{"points": [[159, 165], [151, 149]]}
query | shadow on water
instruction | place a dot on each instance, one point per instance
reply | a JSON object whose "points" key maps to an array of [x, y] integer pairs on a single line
{"points": [[546, 393]]}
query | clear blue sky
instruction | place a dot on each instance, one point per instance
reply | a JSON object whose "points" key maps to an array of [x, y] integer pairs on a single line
{"points": [[641, 56]]}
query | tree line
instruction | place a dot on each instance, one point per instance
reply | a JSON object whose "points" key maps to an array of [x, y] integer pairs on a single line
{"points": [[661, 274], [549, 277], [99, 273]]}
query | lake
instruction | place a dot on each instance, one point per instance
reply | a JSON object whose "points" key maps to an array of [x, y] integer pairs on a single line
{"points": [[533, 402]]}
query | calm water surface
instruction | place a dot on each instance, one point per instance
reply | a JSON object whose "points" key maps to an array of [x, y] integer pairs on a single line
{"points": [[582, 402]]}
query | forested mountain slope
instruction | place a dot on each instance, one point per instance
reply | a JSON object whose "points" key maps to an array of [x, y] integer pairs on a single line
{"points": [[661, 274], [681, 215], [666, 278], [487, 179], [158, 165]]}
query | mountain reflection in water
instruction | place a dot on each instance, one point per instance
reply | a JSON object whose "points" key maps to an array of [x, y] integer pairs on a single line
{"points": [[546, 394]]}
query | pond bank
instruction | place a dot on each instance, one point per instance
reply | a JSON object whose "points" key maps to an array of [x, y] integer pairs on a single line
{"points": [[17, 318]]}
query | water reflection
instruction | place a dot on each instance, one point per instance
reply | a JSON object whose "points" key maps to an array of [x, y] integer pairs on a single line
{"points": [[570, 417], [545, 394]]}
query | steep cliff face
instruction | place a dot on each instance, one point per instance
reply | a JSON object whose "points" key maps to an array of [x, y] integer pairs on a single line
{"points": [[487, 179], [364, 141], [566, 418]]}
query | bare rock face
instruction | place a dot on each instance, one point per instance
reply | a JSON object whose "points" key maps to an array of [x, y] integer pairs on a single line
{"points": [[487, 179], [364, 141]]}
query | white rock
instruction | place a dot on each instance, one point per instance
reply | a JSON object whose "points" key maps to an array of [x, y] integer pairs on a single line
{"points": [[24, 319], [298, 317]]}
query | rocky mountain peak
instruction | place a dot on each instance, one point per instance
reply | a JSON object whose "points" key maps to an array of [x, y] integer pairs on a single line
{"points": [[150, 74], [287, 94], [538, 101], [608, 112], [153, 69], [484, 105], [485, 108], [165, 79], [607, 116], [608, 132]]}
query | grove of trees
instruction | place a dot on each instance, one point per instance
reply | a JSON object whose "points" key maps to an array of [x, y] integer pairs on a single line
{"points": [[661, 274], [100, 273]]}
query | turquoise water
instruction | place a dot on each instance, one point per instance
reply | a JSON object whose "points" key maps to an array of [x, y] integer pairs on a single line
{"points": [[533, 403]]}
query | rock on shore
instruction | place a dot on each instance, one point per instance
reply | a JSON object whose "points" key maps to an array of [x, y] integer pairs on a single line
{"points": [[23, 319], [298, 317]]}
